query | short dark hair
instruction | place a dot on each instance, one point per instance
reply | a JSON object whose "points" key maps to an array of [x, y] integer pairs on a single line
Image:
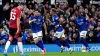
{"points": [[36, 10]]}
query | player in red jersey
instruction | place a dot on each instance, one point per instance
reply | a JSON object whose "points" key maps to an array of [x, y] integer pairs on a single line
{"points": [[15, 28]]}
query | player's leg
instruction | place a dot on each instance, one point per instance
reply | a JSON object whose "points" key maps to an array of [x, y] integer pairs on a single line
{"points": [[7, 45], [40, 41], [37, 41], [35, 37], [56, 38], [20, 44], [65, 42], [11, 34], [83, 39]]}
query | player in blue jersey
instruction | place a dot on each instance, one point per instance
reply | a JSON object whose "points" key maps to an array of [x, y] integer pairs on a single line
{"points": [[4, 37], [59, 31], [82, 25], [37, 22]]}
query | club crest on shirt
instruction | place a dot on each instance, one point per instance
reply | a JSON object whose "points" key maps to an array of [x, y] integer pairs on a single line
{"points": [[81, 19]]}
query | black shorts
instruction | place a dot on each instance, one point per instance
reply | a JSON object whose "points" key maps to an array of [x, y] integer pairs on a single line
{"points": [[12, 32]]}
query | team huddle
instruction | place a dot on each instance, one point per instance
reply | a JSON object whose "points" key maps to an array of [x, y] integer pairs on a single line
{"points": [[36, 21]]}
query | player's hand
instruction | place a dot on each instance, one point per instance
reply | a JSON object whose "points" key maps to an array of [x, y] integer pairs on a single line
{"points": [[46, 33], [17, 33], [34, 20]]}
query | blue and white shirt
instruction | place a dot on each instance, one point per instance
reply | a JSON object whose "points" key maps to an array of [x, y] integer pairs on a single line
{"points": [[37, 24], [55, 21]]}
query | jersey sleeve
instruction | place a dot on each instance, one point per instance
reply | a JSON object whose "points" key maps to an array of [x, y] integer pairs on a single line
{"points": [[75, 20], [56, 21], [42, 19], [31, 18], [18, 14], [56, 18], [76, 23], [85, 19], [87, 22], [3, 33]]}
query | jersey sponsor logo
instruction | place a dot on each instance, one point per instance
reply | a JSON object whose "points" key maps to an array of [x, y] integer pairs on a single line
{"points": [[81, 19], [80, 23], [38, 21]]}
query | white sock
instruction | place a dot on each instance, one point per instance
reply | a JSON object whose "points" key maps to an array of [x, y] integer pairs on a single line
{"points": [[20, 45], [7, 46]]}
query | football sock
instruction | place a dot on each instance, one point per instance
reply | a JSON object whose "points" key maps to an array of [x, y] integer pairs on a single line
{"points": [[66, 43], [20, 45], [7, 46], [38, 44], [85, 43], [57, 42], [41, 44]]}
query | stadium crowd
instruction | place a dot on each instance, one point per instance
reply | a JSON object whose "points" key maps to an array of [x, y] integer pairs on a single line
{"points": [[63, 10]]}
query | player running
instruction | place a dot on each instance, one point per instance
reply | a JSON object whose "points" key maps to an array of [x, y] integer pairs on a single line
{"points": [[59, 34], [81, 23], [15, 29], [37, 22]]}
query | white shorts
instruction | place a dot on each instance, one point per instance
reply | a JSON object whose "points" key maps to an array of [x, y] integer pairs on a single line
{"points": [[59, 34], [83, 34], [37, 35]]}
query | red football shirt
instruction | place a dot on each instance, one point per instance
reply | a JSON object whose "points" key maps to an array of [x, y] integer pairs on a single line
{"points": [[14, 15]]}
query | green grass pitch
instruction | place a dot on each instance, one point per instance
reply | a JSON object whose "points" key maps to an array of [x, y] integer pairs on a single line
{"points": [[59, 54]]}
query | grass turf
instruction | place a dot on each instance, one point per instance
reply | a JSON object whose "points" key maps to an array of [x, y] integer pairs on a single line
{"points": [[58, 54]]}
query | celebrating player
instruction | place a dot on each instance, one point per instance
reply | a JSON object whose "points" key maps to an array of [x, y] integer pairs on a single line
{"points": [[37, 22], [59, 34], [15, 28], [81, 23]]}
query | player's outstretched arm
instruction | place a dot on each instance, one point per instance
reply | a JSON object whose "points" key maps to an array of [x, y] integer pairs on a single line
{"points": [[30, 21]]}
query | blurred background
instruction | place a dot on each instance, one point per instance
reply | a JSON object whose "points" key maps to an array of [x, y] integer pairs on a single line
{"points": [[66, 9]]}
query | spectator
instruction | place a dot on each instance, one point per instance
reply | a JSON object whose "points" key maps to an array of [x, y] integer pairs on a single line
{"points": [[91, 34], [6, 10]]}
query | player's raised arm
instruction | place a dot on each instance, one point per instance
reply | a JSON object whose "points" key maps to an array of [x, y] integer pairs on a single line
{"points": [[57, 24], [31, 19], [87, 22]]}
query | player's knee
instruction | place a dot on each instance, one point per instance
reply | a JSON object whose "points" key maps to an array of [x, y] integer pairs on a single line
{"points": [[19, 39], [82, 39], [40, 38], [10, 39], [63, 38], [54, 38], [36, 41]]}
